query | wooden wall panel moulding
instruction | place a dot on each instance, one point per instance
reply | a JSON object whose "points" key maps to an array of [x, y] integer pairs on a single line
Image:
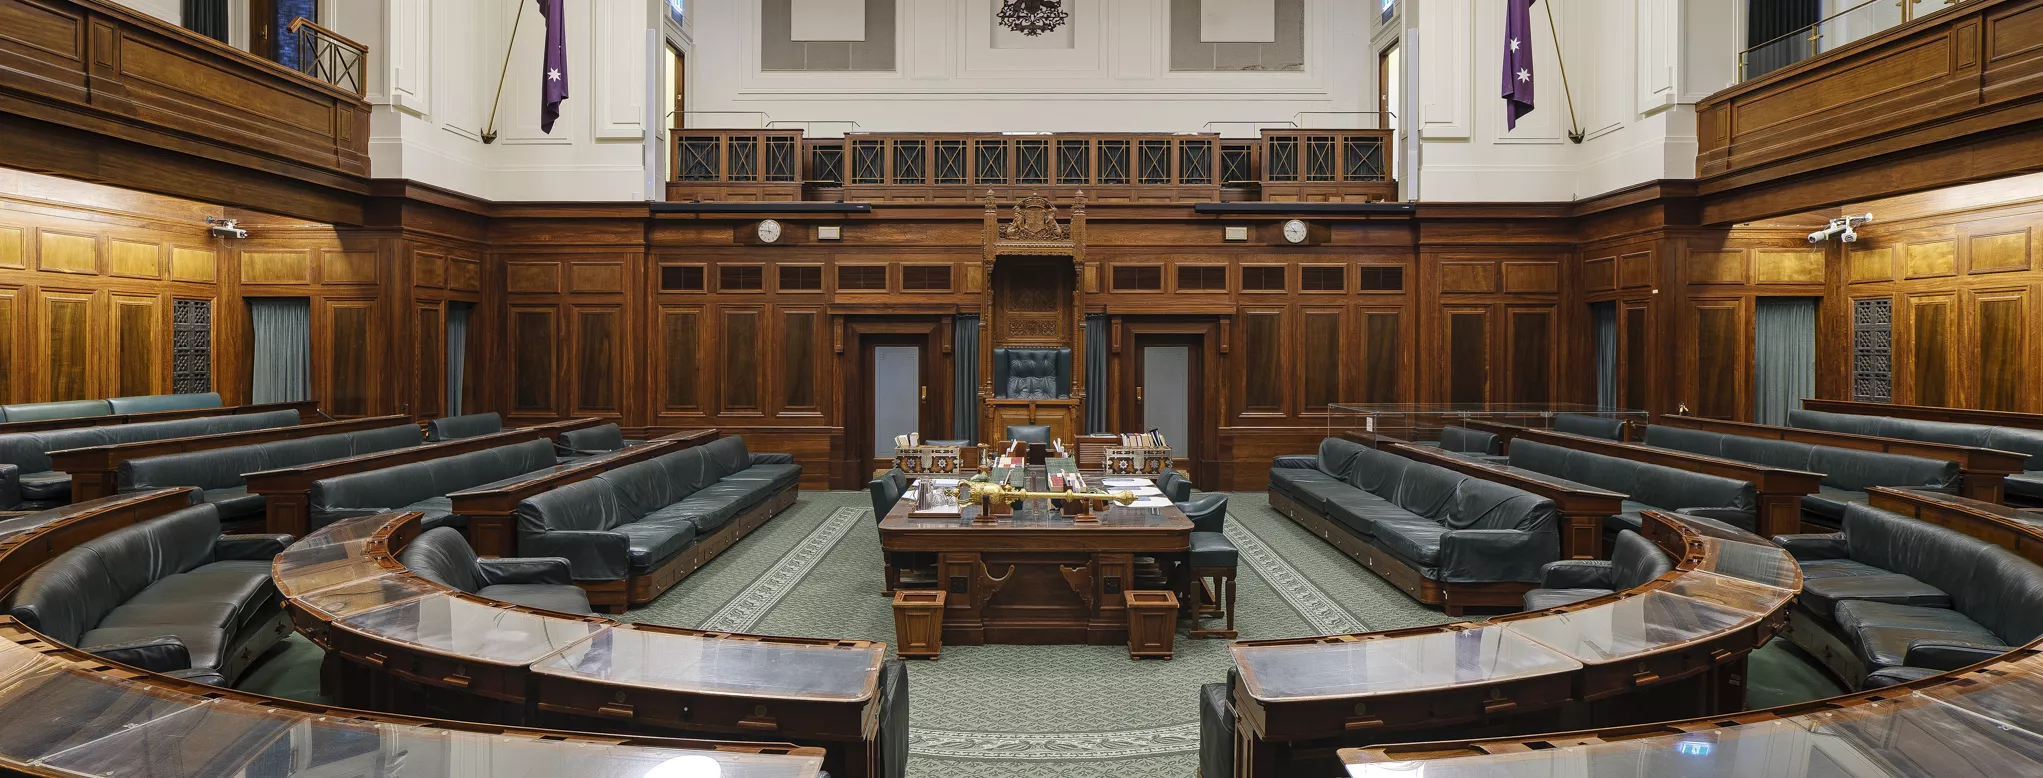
{"points": [[1870, 264], [347, 267], [532, 277], [1717, 267], [63, 252], [1998, 253], [1599, 274], [1635, 270], [597, 277], [1776, 266], [1930, 259], [1468, 277], [276, 267], [1532, 277], [134, 260], [194, 264], [464, 275]]}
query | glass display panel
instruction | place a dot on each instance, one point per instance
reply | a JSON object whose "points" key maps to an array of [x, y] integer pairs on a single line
{"points": [[348, 599], [1770, 565], [1484, 655], [1733, 593], [458, 627], [1654, 621], [691, 663]]}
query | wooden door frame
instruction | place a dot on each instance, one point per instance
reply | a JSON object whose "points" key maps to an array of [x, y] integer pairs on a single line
{"points": [[1124, 350], [931, 333]]}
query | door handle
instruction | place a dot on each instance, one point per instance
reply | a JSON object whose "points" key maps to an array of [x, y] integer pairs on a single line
{"points": [[1138, 394], [925, 394]]}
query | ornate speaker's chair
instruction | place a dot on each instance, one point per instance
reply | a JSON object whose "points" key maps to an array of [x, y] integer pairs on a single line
{"points": [[1032, 373], [1032, 387]]}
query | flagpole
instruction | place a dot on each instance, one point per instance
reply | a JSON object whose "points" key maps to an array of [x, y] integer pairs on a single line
{"points": [[489, 131], [1574, 134]]}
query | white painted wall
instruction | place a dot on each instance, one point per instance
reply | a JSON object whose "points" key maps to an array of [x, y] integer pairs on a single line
{"points": [[1635, 69], [433, 73], [1116, 77]]}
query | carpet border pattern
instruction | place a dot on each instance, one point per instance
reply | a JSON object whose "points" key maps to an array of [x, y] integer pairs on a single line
{"points": [[1311, 602], [1058, 746], [745, 611]]}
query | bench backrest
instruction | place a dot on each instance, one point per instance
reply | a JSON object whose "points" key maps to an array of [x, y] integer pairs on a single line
{"points": [[1463, 440], [1655, 485], [627, 494], [30, 449], [458, 427], [396, 487], [2016, 439], [1842, 468], [1451, 498], [1589, 426], [69, 595], [222, 468], [597, 439]]}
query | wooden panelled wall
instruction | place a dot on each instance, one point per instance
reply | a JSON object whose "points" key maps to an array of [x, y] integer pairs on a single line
{"points": [[1684, 302], [1967, 329], [89, 275], [701, 325], [663, 322]]}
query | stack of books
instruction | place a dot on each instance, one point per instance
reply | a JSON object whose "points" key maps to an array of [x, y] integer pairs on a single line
{"points": [[1143, 440], [1143, 452]]}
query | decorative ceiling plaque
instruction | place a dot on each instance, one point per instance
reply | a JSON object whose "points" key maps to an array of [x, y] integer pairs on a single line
{"points": [[1033, 17]]}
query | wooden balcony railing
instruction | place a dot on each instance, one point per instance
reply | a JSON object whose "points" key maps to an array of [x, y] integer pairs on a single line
{"points": [[1326, 166], [769, 165], [102, 68], [331, 57], [736, 165]]}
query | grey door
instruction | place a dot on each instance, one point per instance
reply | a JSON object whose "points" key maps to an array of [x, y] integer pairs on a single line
{"points": [[1167, 398], [897, 395]]}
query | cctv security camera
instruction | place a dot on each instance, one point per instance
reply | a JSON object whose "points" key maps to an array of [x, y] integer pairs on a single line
{"points": [[1819, 236], [225, 228]]}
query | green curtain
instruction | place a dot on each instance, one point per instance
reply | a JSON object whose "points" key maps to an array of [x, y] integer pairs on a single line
{"points": [[1604, 315], [457, 353], [282, 350], [1784, 350], [965, 384], [1096, 373]]}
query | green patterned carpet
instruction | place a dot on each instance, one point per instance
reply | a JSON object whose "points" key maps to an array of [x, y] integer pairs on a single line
{"points": [[1031, 710]]}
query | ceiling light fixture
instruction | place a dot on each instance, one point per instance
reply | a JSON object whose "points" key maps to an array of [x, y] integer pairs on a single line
{"points": [[1033, 17]]}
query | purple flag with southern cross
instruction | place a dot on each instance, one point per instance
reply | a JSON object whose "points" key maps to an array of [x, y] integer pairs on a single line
{"points": [[553, 77], [1517, 60]]}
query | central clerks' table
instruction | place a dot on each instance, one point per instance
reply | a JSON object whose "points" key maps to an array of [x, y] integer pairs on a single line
{"points": [[1036, 577]]}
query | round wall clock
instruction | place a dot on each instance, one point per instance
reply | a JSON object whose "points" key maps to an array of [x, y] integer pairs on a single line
{"points": [[769, 231], [1294, 231]]}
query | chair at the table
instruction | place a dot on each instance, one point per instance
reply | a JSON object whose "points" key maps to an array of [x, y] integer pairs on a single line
{"points": [[1212, 557], [886, 492]]}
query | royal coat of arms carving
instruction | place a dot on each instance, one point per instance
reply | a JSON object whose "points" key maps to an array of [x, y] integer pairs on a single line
{"points": [[1035, 219]]}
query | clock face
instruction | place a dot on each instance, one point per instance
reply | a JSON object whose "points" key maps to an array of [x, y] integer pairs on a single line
{"points": [[1294, 231], [769, 231]]}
